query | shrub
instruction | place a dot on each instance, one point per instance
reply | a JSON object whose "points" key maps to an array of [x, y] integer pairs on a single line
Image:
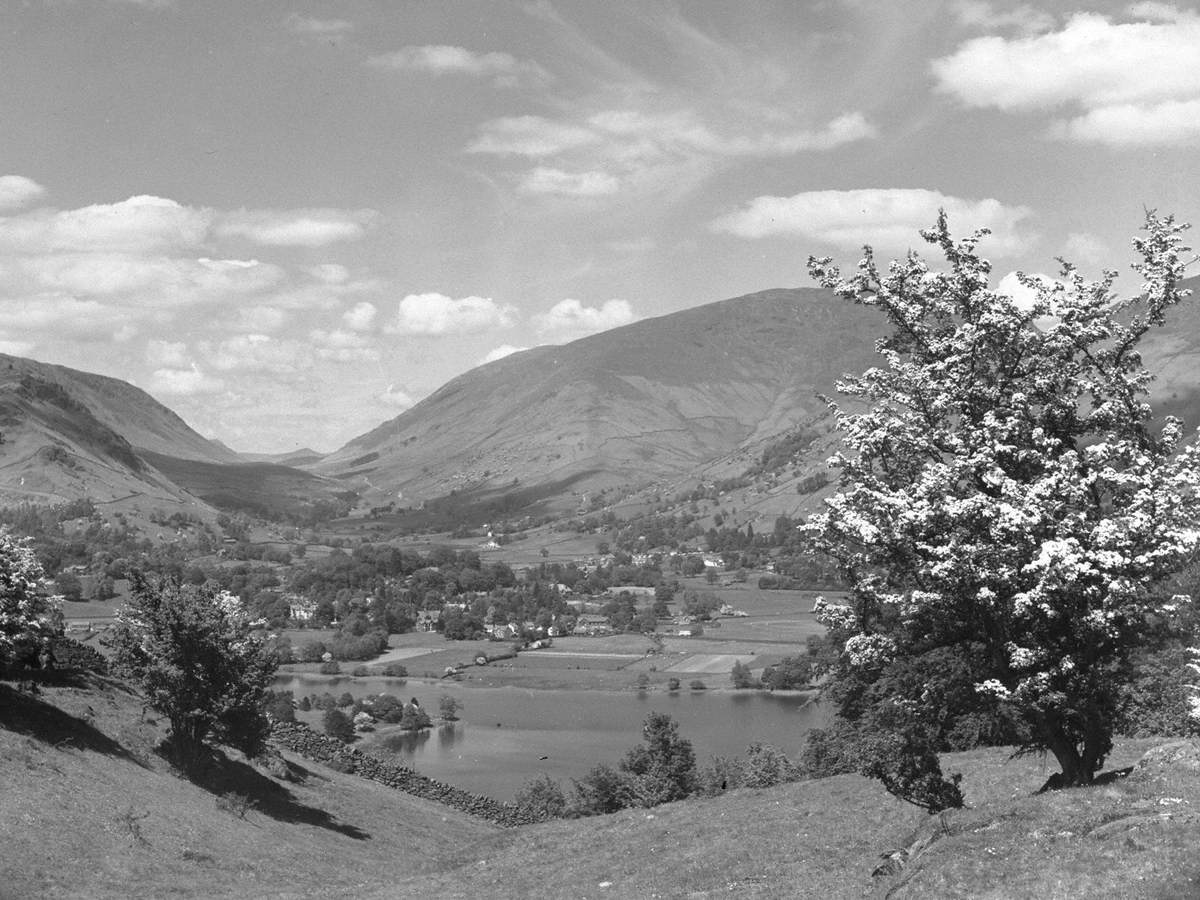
{"points": [[698, 685], [765, 766], [361, 672], [338, 725], [330, 668], [395, 670], [600, 791], [672, 684], [346, 699], [304, 705], [541, 799]]}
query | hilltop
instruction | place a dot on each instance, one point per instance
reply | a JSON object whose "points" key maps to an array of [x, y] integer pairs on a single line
{"points": [[91, 811]]}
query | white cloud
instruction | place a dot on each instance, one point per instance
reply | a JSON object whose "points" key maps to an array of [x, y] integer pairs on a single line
{"points": [[17, 191], [342, 346], [295, 228], [255, 353], [499, 353], [504, 69], [360, 317], [570, 319], [887, 219], [330, 273], [309, 26], [140, 224], [437, 314], [397, 397], [1120, 83], [986, 16], [140, 280], [543, 180], [533, 136], [184, 382], [605, 151], [60, 316]]}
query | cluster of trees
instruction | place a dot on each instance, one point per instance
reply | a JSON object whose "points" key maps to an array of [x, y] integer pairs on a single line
{"points": [[662, 769]]}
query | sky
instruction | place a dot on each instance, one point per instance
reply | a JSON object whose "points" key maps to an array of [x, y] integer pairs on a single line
{"points": [[291, 221]]}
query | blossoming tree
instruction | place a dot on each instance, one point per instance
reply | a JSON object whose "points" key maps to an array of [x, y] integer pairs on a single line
{"points": [[1006, 506], [192, 651], [28, 616]]}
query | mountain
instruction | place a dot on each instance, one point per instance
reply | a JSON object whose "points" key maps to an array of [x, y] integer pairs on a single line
{"points": [[694, 394], [654, 400], [66, 434]]}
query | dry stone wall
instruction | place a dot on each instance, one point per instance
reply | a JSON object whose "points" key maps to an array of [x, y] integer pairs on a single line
{"points": [[303, 741]]}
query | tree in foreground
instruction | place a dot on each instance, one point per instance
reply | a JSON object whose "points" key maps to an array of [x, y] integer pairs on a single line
{"points": [[29, 618], [1006, 508], [191, 650]]}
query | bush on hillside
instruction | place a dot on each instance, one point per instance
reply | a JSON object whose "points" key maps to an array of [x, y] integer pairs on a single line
{"points": [[192, 652], [541, 799]]}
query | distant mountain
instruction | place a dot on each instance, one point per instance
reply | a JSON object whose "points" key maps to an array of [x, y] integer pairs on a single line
{"points": [[693, 394], [654, 400], [302, 457], [66, 434]]}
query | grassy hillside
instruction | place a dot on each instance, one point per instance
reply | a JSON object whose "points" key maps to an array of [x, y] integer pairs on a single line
{"points": [[89, 810]]}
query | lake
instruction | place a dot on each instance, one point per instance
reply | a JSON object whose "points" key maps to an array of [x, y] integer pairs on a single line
{"points": [[508, 735]]}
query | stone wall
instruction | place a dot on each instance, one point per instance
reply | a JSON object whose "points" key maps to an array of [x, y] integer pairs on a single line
{"points": [[303, 741]]}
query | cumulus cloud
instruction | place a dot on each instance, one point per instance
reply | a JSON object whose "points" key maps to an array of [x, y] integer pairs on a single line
{"points": [[295, 228], [396, 396], [183, 382], [499, 353], [17, 191], [255, 353], [887, 219], [1119, 83], [437, 314], [140, 224], [56, 315], [569, 319], [342, 346], [360, 317], [504, 69]]}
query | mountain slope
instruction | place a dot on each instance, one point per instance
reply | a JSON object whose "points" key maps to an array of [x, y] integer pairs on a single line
{"points": [[647, 401]]}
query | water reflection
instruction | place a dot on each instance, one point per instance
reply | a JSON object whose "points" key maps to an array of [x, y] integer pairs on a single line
{"points": [[447, 735], [508, 735]]}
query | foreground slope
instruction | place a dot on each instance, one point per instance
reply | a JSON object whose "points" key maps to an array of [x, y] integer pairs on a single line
{"points": [[90, 811]]}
